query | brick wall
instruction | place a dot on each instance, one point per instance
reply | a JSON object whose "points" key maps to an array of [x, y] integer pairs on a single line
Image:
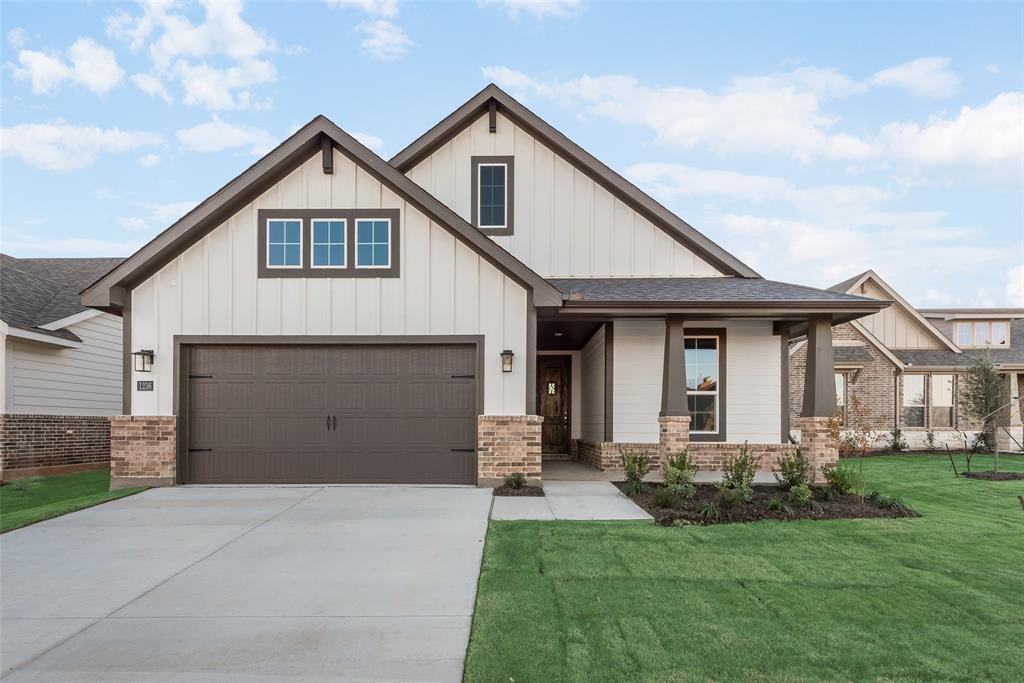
{"points": [[41, 444], [707, 456], [605, 455], [142, 450], [508, 444]]}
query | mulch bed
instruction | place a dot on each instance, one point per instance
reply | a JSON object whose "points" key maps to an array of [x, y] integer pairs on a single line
{"points": [[843, 507], [993, 476], [521, 491]]}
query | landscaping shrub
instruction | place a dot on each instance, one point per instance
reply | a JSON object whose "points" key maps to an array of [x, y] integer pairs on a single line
{"points": [[516, 480], [793, 470], [709, 511], [930, 441], [886, 501], [730, 496], [776, 504], [739, 470], [802, 496], [665, 498], [896, 442], [840, 478], [636, 466], [679, 473]]}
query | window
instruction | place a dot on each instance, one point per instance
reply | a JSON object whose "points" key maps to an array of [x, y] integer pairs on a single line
{"points": [[701, 354], [373, 244], [841, 395], [328, 243], [284, 243], [941, 413], [492, 194], [913, 400], [982, 333]]}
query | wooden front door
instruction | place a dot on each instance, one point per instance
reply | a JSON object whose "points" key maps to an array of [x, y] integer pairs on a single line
{"points": [[553, 393]]}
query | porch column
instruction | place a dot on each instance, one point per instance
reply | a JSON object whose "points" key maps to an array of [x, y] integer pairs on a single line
{"points": [[819, 397], [674, 421]]}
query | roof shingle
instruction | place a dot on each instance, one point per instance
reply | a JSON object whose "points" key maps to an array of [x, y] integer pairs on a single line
{"points": [[698, 289]]}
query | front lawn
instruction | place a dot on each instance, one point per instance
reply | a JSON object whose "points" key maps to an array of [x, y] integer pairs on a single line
{"points": [[940, 597], [31, 500]]}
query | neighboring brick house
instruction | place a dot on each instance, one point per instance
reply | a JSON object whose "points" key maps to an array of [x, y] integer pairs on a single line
{"points": [[60, 367], [905, 366]]}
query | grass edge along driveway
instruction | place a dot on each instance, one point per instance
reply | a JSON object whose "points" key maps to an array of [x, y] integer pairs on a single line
{"points": [[33, 499], [935, 598]]}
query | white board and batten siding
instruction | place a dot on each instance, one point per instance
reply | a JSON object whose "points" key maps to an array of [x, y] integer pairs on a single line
{"points": [[565, 224], [43, 379], [893, 326], [592, 388], [445, 288], [753, 380]]}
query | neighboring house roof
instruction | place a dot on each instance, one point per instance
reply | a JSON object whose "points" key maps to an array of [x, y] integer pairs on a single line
{"points": [[37, 292], [1011, 356], [846, 285], [627, 192], [851, 355], [659, 290], [109, 292]]}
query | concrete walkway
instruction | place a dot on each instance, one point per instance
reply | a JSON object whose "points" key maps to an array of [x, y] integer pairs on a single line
{"points": [[196, 584], [570, 500]]}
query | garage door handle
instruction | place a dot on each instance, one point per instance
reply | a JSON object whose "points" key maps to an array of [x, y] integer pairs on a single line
{"points": [[335, 426], [462, 450], [463, 377], [200, 450]]}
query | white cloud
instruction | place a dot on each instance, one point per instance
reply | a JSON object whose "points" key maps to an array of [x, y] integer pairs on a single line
{"points": [[165, 213], [378, 8], [1015, 285], [371, 141], [149, 160], [151, 85], [537, 9], [17, 37], [296, 50], [61, 146], [92, 66], [19, 243], [927, 77], [384, 40], [992, 68], [217, 135], [131, 222], [218, 62]]}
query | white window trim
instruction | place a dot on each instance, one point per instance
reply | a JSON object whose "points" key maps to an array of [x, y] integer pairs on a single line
{"points": [[355, 236], [480, 196], [716, 393], [344, 237], [972, 325], [302, 244]]}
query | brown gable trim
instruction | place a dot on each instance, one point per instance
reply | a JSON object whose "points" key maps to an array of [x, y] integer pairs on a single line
{"points": [[597, 171], [110, 291]]}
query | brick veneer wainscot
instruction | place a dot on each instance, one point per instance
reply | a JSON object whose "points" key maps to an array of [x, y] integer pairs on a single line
{"points": [[508, 444], [38, 444], [142, 450], [816, 445]]}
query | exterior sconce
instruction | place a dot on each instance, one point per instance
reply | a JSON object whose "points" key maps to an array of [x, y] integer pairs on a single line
{"points": [[506, 360], [143, 360]]}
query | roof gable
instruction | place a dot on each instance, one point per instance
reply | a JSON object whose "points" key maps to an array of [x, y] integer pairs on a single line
{"points": [[884, 326], [109, 292], [494, 99]]}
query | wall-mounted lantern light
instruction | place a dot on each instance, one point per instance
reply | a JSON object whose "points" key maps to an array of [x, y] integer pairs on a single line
{"points": [[143, 360], [506, 360]]}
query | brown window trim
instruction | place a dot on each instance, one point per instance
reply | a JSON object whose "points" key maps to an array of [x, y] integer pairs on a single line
{"points": [[509, 162], [928, 405], [350, 216], [721, 434]]}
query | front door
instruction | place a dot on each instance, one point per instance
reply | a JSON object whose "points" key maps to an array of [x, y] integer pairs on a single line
{"points": [[553, 390]]}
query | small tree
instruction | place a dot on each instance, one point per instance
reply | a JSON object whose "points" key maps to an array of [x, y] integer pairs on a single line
{"points": [[860, 436], [982, 396]]}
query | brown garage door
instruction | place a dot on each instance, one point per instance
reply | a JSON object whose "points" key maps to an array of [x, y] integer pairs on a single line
{"points": [[331, 414]]}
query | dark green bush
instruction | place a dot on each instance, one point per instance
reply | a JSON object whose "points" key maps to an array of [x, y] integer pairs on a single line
{"points": [[516, 480], [896, 442], [802, 496], [776, 504], [665, 498], [841, 479], [679, 473], [739, 471], [709, 511], [636, 466], [793, 470], [731, 496], [887, 502]]}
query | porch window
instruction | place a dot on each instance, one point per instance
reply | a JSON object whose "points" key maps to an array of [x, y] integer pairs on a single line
{"points": [[702, 390], [913, 400], [841, 395]]}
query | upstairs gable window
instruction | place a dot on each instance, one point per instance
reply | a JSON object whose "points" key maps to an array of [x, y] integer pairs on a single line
{"points": [[284, 243], [982, 333], [492, 194]]}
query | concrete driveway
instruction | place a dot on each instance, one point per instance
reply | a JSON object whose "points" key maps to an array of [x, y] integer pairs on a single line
{"points": [[246, 584]]}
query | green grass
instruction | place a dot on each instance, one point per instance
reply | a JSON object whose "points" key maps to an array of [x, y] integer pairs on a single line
{"points": [[31, 500], [939, 597]]}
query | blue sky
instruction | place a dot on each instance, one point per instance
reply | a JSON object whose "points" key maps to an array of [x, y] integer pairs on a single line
{"points": [[813, 141]]}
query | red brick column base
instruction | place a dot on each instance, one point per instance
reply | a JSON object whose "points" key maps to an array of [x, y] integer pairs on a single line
{"points": [[673, 437], [507, 444], [142, 450], [816, 445]]}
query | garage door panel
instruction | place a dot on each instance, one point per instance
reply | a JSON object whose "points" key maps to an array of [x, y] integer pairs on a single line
{"points": [[396, 413]]}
